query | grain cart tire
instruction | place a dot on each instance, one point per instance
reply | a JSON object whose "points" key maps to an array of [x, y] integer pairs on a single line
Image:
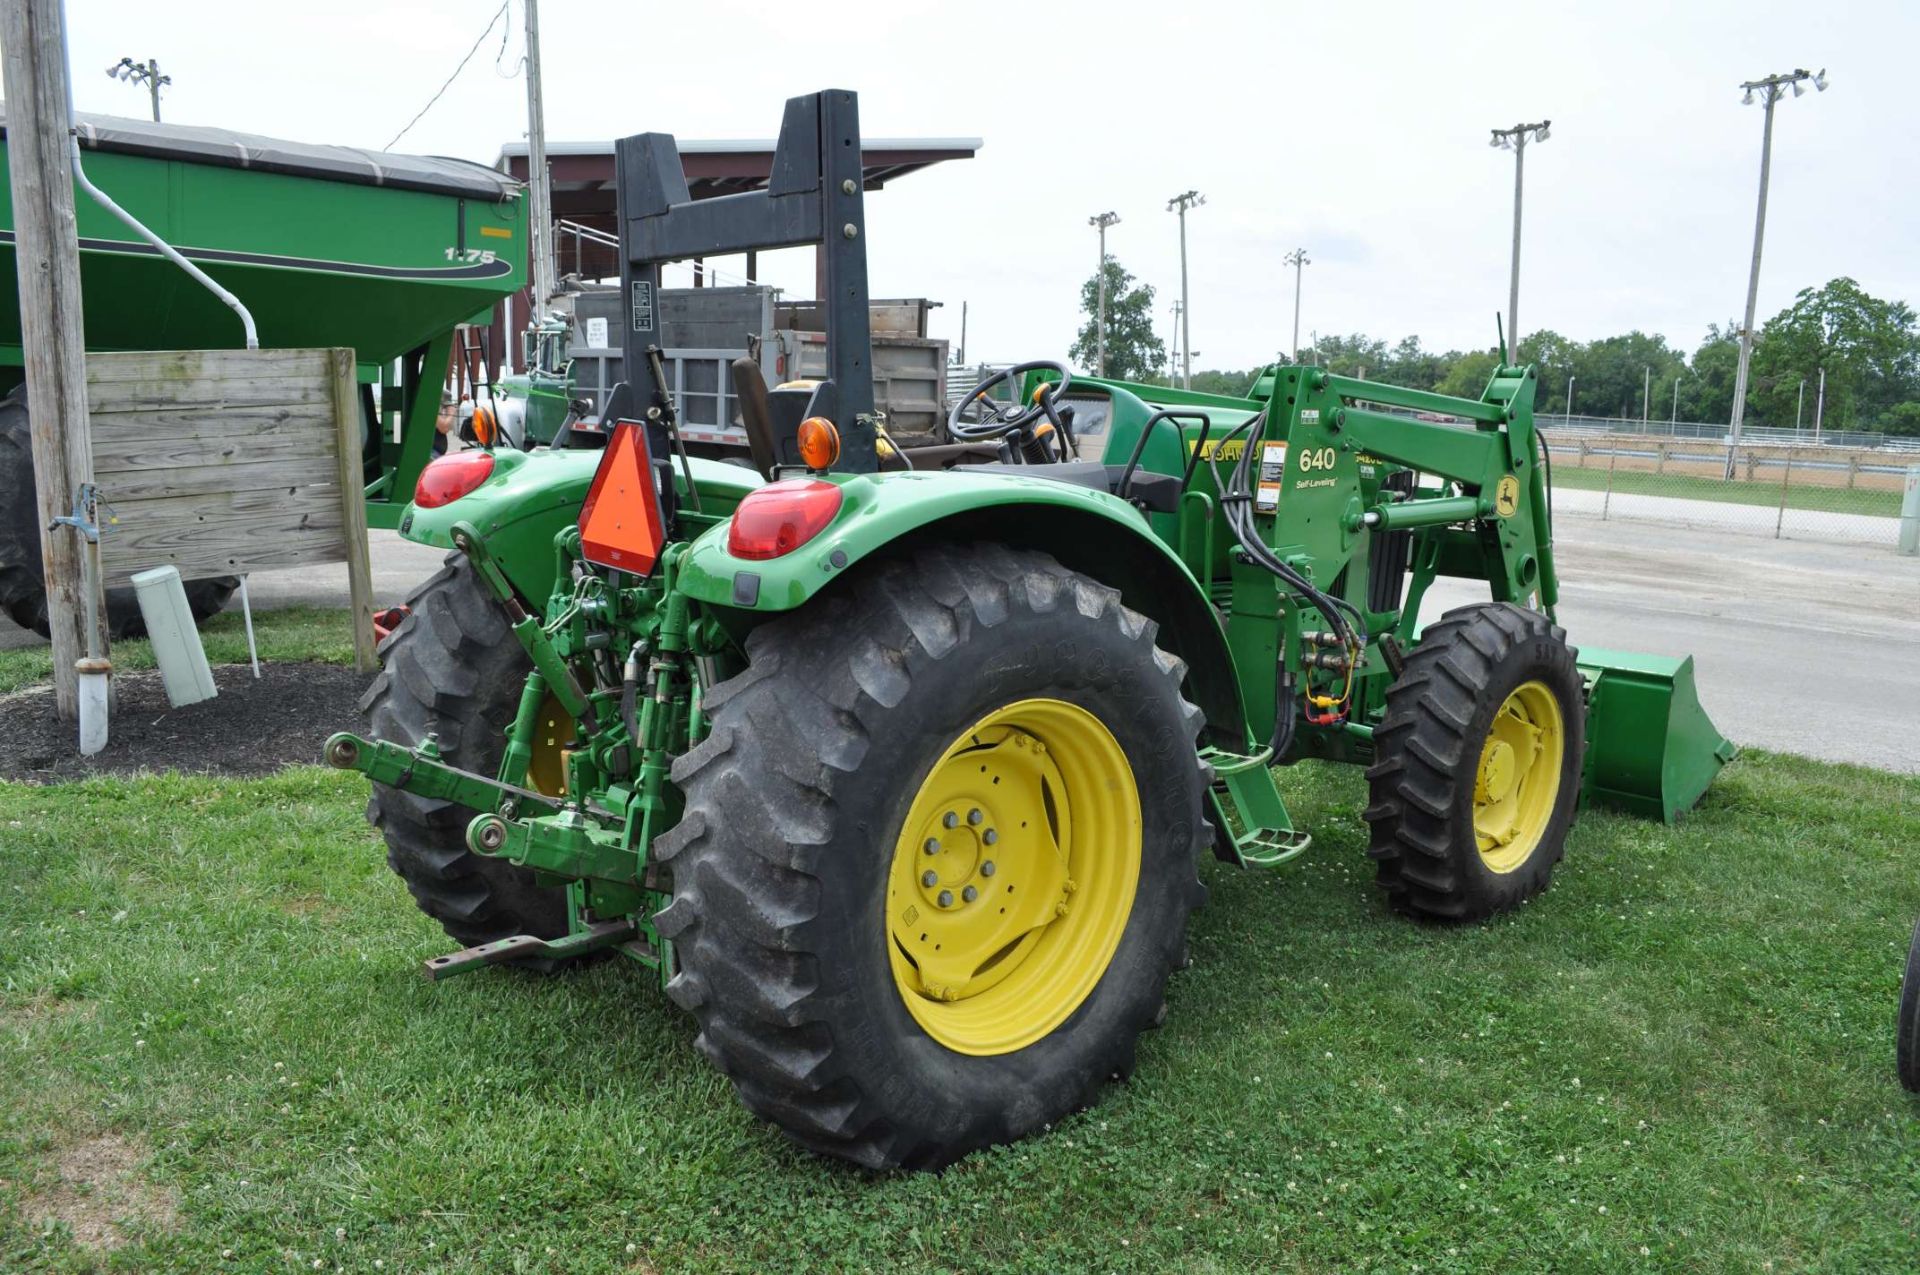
{"points": [[1477, 764], [901, 767], [23, 592], [1907, 1047], [454, 669]]}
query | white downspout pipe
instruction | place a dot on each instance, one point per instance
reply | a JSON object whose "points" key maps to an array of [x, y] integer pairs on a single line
{"points": [[167, 250]]}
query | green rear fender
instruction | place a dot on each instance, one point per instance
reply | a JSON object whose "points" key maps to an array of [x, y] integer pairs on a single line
{"points": [[531, 496], [1089, 531]]}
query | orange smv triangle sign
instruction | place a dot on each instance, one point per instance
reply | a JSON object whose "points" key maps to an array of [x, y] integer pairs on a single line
{"points": [[620, 524]]}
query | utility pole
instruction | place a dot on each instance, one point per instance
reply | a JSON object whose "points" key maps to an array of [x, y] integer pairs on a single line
{"points": [[147, 73], [1182, 202], [1646, 393], [1676, 399], [1299, 260], [539, 193], [1799, 406], [1772, 88], [47, 249], [1515, 140], [1820, 404], [1102, 221], [1569, 400]]}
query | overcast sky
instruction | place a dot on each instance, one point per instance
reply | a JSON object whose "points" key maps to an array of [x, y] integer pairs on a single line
{"points": [[1358, 131]]}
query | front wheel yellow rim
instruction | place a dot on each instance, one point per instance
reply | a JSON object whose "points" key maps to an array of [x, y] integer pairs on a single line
{"points": [[1517, 784], [1013, 877]]}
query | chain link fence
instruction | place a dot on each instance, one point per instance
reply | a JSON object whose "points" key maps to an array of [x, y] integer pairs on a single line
{"points": [[1845, 488]]}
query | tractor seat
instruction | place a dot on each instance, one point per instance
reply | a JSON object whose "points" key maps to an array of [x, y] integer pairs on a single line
{"points": [[1158, 493]]}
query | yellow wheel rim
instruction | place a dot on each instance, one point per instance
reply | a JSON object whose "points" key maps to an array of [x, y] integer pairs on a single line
{"points": [[1013, 877], [552, 741], [1518, 780]]}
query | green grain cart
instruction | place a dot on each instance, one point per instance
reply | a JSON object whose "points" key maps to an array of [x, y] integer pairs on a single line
{"points": [[896, 765], [326, 245]]}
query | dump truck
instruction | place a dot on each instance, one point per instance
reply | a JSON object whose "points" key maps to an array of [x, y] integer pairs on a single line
{"points": [[896, 766], [326, 245]]}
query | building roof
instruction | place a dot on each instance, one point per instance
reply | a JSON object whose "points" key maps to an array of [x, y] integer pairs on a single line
{"points": [[581, 173]]}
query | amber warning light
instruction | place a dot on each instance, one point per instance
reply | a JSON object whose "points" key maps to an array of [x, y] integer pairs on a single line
{"points": [[621, 524]]}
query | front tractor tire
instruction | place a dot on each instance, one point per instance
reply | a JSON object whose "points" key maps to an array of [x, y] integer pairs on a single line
{"points": [[938, 856], [1477, 764], [1907, 1031], [453, 669]]}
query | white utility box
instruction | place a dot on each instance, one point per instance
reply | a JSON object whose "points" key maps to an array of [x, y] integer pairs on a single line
{"points": [[176, 642]]}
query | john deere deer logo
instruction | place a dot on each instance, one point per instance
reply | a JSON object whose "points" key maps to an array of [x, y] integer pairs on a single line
{"points": [[1506, 497]]}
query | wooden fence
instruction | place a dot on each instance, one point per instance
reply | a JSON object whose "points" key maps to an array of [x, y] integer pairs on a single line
{"points": [[226, 462]]}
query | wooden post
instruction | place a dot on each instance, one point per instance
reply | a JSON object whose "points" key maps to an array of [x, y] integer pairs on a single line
{"points": [[1786, 472], [346, 416], [47, 255], [1606, 502]]}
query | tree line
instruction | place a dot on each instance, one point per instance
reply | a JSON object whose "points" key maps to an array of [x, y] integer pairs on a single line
{"points": [[1868, 347]]}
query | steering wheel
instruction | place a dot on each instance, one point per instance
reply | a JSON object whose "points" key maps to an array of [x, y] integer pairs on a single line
{"points": [[1014, 417]]}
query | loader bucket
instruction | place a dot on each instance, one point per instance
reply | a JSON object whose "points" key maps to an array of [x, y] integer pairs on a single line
{"points": [[1651, 749]]}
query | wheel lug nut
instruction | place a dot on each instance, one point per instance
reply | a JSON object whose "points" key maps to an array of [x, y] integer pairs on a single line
{"points": [[969, 894], [949, 820], [929, 878], [987, 869], [974, 816], [946, 898], [990, 836], [933, 845]]}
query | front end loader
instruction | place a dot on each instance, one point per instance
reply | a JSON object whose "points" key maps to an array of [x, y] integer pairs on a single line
{"points": [[896, 765]]}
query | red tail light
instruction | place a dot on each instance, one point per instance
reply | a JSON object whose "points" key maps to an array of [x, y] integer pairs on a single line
{"points": [[450, 477], [777, 519]]}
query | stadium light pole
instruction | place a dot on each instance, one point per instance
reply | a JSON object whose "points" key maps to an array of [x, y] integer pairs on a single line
{"points": [[1101, 221], [147, 73], [1180, 203], [1646, 393], [1569, 400], [1299, 260], [1771, 89], [1515, 139], [1676, 398]]}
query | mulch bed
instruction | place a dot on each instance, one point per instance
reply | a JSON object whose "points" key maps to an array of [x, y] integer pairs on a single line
{"points": [[249, 728]]}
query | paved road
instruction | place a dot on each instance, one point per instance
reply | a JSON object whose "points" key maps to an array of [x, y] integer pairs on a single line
{"points": [[1798, 646]]}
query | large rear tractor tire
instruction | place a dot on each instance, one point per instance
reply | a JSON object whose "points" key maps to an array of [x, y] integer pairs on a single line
{"points": [[1477, 764], [938, 856], [23, 591], [454, 669]]}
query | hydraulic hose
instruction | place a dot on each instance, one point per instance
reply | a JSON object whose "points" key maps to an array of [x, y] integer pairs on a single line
{"points": [[1237, 504]]}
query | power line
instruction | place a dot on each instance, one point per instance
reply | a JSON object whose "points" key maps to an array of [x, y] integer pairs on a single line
{"points": [[500, 13], [519, 64]]}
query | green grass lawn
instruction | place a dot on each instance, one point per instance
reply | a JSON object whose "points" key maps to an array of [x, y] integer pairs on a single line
{"points": [[1680, 1058], [1884, 504], [297, 633]]}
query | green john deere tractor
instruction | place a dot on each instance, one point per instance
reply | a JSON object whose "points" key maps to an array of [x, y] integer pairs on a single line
{"points": [[897, 765]]}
